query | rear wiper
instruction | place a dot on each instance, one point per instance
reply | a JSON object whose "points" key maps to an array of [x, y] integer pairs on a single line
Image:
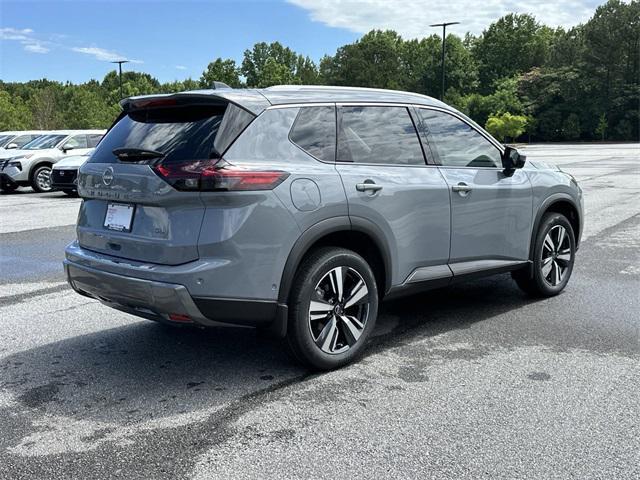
{"points": [[136, 154]]}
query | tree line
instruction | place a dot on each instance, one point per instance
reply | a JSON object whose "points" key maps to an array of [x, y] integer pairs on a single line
{"points": [[519, 78]]}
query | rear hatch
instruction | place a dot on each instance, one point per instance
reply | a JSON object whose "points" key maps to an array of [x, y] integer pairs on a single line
{"points": [[138, 204]]}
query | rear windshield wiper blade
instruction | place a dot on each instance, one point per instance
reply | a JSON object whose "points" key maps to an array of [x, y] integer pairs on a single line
{"points": [[136, 154]]}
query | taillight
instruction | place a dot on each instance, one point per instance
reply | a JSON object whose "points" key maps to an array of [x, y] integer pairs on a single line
{"points": [[216, 175]]}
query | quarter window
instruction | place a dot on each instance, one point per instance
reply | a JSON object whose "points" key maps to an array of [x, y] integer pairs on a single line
{"points": [[94, 139], [79, 141], [456, 144], [314, 131], [383, 135]]}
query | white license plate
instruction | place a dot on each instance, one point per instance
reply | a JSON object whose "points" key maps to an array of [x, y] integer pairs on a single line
{"points": [[119, 217]]}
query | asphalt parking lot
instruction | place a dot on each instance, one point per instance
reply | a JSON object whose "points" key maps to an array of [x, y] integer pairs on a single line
{"points": [[474, 381]]}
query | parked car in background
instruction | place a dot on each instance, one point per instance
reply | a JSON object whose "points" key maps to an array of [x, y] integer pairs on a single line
{"points": [[31, 165], [297, 209], [15, 140], [64, 174]]}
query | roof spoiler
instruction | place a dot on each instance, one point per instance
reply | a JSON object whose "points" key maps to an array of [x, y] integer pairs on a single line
{"points": [[169, 100]]}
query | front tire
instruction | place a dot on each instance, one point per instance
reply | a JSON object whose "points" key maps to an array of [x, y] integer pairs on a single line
{"points": [[41, 179], [553, 258], [333, 308]]}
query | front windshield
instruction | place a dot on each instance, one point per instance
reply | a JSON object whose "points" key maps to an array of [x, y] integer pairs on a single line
{"points": [[48, 141], [5, 139]]}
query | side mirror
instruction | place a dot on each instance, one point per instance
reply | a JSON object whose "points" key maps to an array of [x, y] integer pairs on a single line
{"points": [[11, 146], [66, 148], [512, 159]]}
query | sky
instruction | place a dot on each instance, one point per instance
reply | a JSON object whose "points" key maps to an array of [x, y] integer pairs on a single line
{"points": [[173, 40]]}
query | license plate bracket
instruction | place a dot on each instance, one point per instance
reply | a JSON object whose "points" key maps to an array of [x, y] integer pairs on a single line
{"points": [[119, 216]]}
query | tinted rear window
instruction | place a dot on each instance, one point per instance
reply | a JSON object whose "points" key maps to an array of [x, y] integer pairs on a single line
{"points": [[378, 135], [181, 133], [315, 132]]}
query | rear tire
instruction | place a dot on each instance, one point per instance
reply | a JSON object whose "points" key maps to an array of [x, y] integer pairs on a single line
{"points": [[41, 179], [553, 258], [333, 308]]}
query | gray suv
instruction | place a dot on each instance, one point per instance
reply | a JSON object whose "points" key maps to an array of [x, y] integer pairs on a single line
{"points": [[296, 210]]}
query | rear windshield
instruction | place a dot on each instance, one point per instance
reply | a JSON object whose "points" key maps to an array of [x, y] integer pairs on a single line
{"points": [[40, 143], [180, 133]]}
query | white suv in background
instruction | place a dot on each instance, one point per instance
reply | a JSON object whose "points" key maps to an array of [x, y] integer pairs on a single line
{"points": [[31, 165], [13, 140]]}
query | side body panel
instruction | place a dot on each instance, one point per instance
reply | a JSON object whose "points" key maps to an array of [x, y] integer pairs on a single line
{"points": [[411, 209], [311, 194], [494, 219]]}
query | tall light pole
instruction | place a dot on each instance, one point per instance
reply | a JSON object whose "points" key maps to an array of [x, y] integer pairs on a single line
{"points": [[120, 62], [444, 39]]}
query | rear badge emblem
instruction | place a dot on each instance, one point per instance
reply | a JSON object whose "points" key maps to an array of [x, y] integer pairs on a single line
{"points": [[107, 176]]}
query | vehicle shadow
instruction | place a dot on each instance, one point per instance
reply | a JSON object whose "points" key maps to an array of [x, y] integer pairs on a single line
{"points": [[144, 371]]}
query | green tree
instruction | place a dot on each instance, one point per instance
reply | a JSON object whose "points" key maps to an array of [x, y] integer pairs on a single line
{"points": [[513, 44], [611, 61], [220, 70], [506, 126], [87, 108], [14, 114], [372, 61], [601, 129], [571, 127], [266, 63], [46, 109], [506, 98], [274, 73]]}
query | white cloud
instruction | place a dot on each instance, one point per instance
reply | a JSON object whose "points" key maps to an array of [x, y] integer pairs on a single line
{"points": [[181, 67], [103, 54], [411, 18], [25, 37], [35, 46], [15, 33]]}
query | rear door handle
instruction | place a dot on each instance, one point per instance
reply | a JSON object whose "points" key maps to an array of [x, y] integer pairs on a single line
{"points": [[368, 185], [461, 188]]}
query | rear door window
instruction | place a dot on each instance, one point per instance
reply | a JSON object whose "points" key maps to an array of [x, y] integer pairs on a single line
{"points": [[314, 131], [94, 139], [182, 134], [378, 134]]}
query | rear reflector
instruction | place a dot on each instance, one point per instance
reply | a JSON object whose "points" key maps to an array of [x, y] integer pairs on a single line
{"points": [[216, 175], [179, 317]]}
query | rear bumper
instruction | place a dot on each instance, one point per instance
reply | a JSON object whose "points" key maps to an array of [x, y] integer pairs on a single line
{"points": [[169, 302]]}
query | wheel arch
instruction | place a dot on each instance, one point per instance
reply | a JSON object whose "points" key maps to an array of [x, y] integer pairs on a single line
{"points": [[361, 236], [39, 163], [560, 203]]}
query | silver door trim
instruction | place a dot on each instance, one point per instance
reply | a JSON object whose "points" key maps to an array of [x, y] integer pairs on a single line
{"points": [[434, 272], [463, 268]]}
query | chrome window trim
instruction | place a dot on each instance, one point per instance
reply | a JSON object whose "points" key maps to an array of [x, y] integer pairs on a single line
{"points": [[488, 137], [484, 134]]}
